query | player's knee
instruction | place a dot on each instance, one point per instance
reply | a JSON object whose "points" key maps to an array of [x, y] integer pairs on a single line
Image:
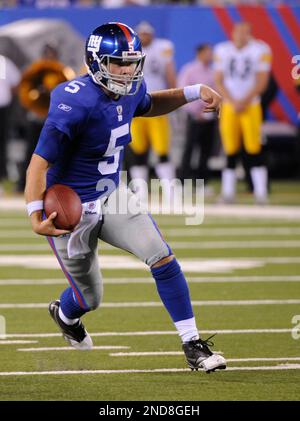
{"points": [[163, 261], [93, 298], [159, 255], [231, 161], [94, 302]]}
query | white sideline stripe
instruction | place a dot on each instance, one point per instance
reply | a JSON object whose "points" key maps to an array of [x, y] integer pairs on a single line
{"points": [[4, 342], [175, 353], [188, 232], [217, 232], [23, 222], [255, 212], [234, 244], [266, 368], [24, 247], [150, 332], [198, 279], [69, 348], [248, 211], [273, 244], [276, 260], [4, 282], [155, 370], [39, 247], [158, 304], [167, 220], [115, 262]]}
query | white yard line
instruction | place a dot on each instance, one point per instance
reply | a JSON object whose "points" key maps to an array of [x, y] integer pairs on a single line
{"points": [[266, 368], [242, 211], [176, 221], [142, 304], [69, 348], [255, 212], [230, 232], [25, 247], [5, 342], [277, 260], [180, 245], [145, 280], [155, 370], [5, 282], [39, 247], [154, 333], [13, 203], [264, 244], [176, 353], [115, 262], [187, 232]]}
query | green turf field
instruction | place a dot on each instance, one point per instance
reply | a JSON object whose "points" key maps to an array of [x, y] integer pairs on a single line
{"points": [[244, 279]]}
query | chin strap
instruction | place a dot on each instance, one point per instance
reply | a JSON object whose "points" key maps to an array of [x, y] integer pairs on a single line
{"points": [[112, 85], [118, 88]]}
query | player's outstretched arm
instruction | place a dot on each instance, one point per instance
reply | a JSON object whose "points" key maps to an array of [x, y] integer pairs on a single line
{"points": [[163, 102], [34, 192]]}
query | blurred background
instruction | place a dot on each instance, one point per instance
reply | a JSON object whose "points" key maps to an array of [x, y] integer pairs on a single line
{"points": [[242, 263], [41, 45]]}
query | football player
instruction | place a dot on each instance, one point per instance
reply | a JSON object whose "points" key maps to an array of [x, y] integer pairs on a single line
{"points": [[153, 133], [81, 145], [242, 73]]}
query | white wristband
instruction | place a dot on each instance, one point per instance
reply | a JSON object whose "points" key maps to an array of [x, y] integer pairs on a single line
{"points": [[192, 92], [34, 206]]}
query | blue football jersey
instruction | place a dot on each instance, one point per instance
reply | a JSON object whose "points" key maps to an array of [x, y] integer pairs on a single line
{"points": [[85, 134]]}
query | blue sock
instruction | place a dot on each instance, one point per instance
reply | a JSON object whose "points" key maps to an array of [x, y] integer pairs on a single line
{"points": [[173, 290], [70, 306]]}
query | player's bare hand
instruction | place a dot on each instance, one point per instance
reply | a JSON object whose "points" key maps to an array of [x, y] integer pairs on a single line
{"points": [[46, 226], [212, 99]]}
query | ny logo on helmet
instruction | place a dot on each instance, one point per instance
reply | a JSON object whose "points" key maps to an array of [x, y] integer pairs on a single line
{"points": [[94, 43]]}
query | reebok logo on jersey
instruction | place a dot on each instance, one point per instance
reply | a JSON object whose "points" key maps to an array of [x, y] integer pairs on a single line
{"points": [[65, 107]]}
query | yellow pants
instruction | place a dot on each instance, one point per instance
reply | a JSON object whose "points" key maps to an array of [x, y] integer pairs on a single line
{"points": [[154, 131], [246, 126]]}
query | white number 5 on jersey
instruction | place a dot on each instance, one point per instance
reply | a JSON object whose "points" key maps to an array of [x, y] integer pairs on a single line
{"points": [[74, 86], [113, 151]]}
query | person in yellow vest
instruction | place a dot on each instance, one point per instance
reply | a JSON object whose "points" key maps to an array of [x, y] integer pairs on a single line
{"points": [[146, 133], [242, 69]]}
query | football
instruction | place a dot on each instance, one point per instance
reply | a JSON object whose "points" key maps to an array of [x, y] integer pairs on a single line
{"points": [[66, 202]]}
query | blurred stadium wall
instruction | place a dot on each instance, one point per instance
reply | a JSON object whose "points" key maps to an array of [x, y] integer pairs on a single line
{"points": [[187, 26]]}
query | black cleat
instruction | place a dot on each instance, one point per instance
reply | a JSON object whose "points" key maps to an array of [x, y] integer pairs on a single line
{"points": [[75, 334], [198, 355]]}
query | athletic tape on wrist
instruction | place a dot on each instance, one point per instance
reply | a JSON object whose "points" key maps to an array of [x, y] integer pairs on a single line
{"points": [[34, 206], [192, 92]]}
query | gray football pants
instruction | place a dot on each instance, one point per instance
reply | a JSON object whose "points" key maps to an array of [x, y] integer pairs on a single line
{"points": [[134, 232]]}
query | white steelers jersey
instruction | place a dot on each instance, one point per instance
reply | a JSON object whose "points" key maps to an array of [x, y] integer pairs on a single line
{"points": [[158, 54], [240, 66]]}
